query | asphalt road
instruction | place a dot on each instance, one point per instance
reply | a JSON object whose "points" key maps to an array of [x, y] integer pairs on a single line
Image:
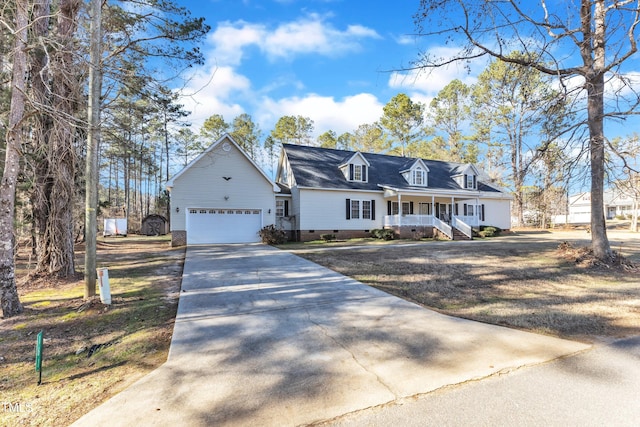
{"points": [[598, 387]]}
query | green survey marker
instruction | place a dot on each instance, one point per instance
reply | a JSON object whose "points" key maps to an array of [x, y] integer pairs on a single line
{"points": [[39, 357]]}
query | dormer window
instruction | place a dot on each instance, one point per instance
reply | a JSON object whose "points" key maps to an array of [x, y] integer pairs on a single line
{"points": [[470, 181], [359, 173], [466, 177], [355, 168], [419, 177], [416, 174]]}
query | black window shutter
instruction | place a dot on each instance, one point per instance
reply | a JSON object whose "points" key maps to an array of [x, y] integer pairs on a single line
{"points": [[348, 208], [364, 173], [286, 208], [474, 182], [482, 217], [465, 209], [389, 207], [410, 208], [457, 209], [373, 209], [350, 172], [465, 181]]}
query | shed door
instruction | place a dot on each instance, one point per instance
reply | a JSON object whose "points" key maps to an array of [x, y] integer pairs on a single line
{"points": [[206, 226]]}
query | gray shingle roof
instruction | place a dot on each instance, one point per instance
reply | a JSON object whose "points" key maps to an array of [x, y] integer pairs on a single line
{"points": [[319, 168]]}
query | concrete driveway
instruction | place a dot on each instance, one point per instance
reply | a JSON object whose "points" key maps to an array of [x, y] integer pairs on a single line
{"points": [[263, 337]]}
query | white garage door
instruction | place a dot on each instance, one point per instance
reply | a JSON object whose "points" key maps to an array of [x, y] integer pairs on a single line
{"points": [[223, 226]]}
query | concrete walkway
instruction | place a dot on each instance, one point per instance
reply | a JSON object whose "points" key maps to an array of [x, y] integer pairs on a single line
{"points": [[264, 337]]}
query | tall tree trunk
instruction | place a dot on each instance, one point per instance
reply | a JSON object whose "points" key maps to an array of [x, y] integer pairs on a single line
{"points": [[594, 79], [41, 133], [58, 254], [9, 298], [93, 142]]}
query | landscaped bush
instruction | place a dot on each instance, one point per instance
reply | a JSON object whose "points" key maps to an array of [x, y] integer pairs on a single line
{"points": [[383, 234], [489, 231], [328, 237], [272, 235]]}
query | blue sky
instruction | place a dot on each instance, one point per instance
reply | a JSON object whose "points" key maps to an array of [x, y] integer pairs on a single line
{"points": [[330, 60]]}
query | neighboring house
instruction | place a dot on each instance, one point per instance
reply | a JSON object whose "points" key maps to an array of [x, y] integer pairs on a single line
{"points": [[348, 194], [616, 204], [224, 197]]}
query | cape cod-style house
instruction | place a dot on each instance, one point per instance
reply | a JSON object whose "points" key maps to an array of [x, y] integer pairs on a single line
{"points": [[224, 197]]}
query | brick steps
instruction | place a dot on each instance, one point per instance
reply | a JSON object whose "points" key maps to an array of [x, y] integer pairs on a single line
{"points": [[459, 235]]}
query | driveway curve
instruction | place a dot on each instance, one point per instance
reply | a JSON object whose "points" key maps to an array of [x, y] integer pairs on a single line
{"points": [[263, 337]]}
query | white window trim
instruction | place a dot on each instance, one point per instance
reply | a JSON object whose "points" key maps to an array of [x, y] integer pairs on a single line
{"points": [[363, 210], [357, 173], [469, 182], [419, 172], [360, 211], [355, 209]]}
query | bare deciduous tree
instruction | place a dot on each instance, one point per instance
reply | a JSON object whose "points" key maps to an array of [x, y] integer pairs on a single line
{"points": [[586, 40]]}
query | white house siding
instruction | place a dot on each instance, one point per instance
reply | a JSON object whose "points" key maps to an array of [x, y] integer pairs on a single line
{"points": [[497, 213], [202, 186], [326, 210]]}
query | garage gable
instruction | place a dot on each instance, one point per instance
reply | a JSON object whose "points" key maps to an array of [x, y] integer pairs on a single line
{"points": [[221, 197]]}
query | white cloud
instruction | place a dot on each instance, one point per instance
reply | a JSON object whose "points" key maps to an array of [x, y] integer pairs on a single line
{"points": [[406, 40], [305, 35], [230, 39], [214, 90], [429, 82], [327, 113], [220, 87]]}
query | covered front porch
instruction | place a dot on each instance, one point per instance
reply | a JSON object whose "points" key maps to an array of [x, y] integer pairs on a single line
{"points": [[426, 215]]}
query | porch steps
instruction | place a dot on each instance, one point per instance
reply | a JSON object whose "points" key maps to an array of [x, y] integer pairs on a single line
{"points": [[459, 235]]}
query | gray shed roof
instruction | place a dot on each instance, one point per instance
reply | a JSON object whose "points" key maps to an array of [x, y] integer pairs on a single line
{"points": [[316, 167]]}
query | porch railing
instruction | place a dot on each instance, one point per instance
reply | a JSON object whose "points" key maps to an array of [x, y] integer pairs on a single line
{"points": [[396, 220], [443, 227], [462, 226]]}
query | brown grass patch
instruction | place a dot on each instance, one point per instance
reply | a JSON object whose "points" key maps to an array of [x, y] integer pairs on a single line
{"points": [[526, 283], [91, 350]]}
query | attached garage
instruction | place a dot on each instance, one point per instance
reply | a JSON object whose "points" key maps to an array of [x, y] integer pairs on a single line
{"points": [[205, 226], [222, 196]]}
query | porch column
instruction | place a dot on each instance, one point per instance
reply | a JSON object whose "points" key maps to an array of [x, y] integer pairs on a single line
{"points": [[453, 208], [399, 211], [477, 211], [433, 208]]}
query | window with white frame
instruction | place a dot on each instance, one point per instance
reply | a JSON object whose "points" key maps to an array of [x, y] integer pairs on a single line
{"points": [[406, 208], [366, 209], [279, 208], [361, 209], [357, 173], [419, 177], [470, 181], [355, 209], [394, 208], [424, 208]]}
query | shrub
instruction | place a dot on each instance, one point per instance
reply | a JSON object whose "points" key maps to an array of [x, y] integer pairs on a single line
{"points": [[489, 231], [328, 237], [383, 234], [272, 235]]}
